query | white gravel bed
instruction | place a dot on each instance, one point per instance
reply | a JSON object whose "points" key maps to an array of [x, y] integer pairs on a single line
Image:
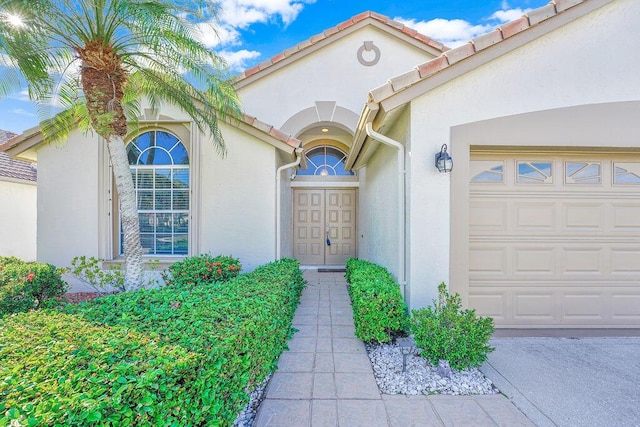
{"points": [[420, 376], [247, 416]]}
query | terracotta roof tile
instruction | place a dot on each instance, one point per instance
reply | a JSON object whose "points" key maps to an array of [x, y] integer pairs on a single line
{"points": [[562, 5], [450, 57], [433, 66], [459, 53], [268, 129], [514, 27], [335, 30], [486, 40], [538, 15], [406, 79], [12, 168]]}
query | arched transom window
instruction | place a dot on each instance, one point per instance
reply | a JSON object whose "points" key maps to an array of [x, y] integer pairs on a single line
{"points": [[325, 161], [160, 167]]}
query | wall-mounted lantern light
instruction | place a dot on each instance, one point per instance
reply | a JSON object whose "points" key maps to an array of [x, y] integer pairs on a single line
{"points": [[444, 162]]}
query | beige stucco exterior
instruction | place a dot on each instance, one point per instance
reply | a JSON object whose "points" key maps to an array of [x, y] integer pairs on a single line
{"points": [[331, 74], [232, 197], [541, 86], [18, 218]]}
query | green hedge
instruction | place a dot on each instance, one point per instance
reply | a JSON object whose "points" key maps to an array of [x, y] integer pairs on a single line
{"points": [[379, 313], [201, 269], [26, 286], [193, 353]]}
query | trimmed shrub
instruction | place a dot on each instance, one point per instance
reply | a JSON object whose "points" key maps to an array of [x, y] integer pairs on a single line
{"points": [[27, 286], [200, 269], [379, 313], [446, 332], [59, 369], [200, 349]]}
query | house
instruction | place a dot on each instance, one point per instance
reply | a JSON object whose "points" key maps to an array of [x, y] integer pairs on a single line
{"points": [[537, 224], [18, 208]]}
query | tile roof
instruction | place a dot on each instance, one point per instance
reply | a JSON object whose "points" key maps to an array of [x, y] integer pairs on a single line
{"points": [[331, 32], [16, 169], [271, 130], [453, 56]]}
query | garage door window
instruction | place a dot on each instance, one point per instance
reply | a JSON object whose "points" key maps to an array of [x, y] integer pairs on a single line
{"points": [[534, 173], [626, 173], [582, 173], [487, 171]]}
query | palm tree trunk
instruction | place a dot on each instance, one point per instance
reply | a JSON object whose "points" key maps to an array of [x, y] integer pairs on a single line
{"points": [[128, 212]]}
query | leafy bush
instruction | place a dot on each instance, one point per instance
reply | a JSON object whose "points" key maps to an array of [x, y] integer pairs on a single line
{"points": [[169, 356], [59, 369], [446, 332], [28, 285], [379, 313], [201, 269], [90, 271]]}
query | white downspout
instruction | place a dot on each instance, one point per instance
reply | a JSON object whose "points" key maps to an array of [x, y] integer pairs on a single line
{"points": [[401, 202], [278, 201]]}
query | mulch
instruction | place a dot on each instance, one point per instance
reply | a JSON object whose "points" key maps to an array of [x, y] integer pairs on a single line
{"points": [[77, 297]]}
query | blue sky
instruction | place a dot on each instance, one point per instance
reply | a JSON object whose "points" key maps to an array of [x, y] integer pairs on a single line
{"points": [[251, 31]]}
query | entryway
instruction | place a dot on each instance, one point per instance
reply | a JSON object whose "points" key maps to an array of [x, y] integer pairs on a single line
{"points": [[324, 225]]}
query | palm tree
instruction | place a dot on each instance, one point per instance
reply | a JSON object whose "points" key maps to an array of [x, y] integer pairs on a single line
{"points": [[98, 58]]}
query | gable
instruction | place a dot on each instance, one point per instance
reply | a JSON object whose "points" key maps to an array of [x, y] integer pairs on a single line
{"points": [[339, 68], [540, 61]]}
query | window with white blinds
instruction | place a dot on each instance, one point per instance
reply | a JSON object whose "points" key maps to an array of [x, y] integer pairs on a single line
{"points": [[160, 169]]}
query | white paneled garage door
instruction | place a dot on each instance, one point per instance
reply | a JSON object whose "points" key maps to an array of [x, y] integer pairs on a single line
{"points": [[555, 239]]}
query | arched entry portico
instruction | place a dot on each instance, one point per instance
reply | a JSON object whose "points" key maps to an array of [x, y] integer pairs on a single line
{"points": [[324, 199]]}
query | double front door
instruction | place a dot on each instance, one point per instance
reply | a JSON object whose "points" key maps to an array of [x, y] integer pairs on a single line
{"points": [[324, 226]]}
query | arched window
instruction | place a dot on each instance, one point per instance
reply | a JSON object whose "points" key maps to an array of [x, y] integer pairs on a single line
{"points": [[325, 161], [160, 169]]}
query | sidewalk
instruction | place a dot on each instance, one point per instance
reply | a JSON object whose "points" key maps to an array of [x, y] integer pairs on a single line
{"points": [[326, 379]]}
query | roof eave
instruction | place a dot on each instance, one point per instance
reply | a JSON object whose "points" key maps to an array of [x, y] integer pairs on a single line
{"points": [[369, 112], [454, 63]]}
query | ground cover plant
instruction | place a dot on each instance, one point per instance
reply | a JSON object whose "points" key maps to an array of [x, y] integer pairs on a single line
{"points": [[200, 269], [27, 286], [379, 312], [177, 355], [447, 332]]}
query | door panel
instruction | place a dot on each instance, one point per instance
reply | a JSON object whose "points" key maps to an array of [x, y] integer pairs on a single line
{"points": [[324, 226], [340, 214], [309, 226]]}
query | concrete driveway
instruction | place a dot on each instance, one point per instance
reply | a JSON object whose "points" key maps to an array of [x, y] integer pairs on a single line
{"points": [[569, 381]]}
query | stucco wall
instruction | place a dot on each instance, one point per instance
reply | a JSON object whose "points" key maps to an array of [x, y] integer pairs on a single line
{"points": [[332, 73], [18, 219], [68, 195], [238, 199], [233, 198], [379, 195], [566, 67]]}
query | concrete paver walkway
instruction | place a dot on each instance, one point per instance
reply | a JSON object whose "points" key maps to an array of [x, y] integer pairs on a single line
{"points": [[326, 379]]}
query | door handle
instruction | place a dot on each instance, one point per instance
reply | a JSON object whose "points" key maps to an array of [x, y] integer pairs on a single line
{"points": [[328, 240]]}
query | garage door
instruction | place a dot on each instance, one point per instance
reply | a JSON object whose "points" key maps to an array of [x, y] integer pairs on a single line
{"points": [[555, 239]]}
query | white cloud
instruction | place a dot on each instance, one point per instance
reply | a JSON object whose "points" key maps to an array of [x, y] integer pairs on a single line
{"points": [[508, 15], [456, 32], [213, 35], [23, 95], [451, 32], [22, 112], [242, 13], [237, 60]]}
